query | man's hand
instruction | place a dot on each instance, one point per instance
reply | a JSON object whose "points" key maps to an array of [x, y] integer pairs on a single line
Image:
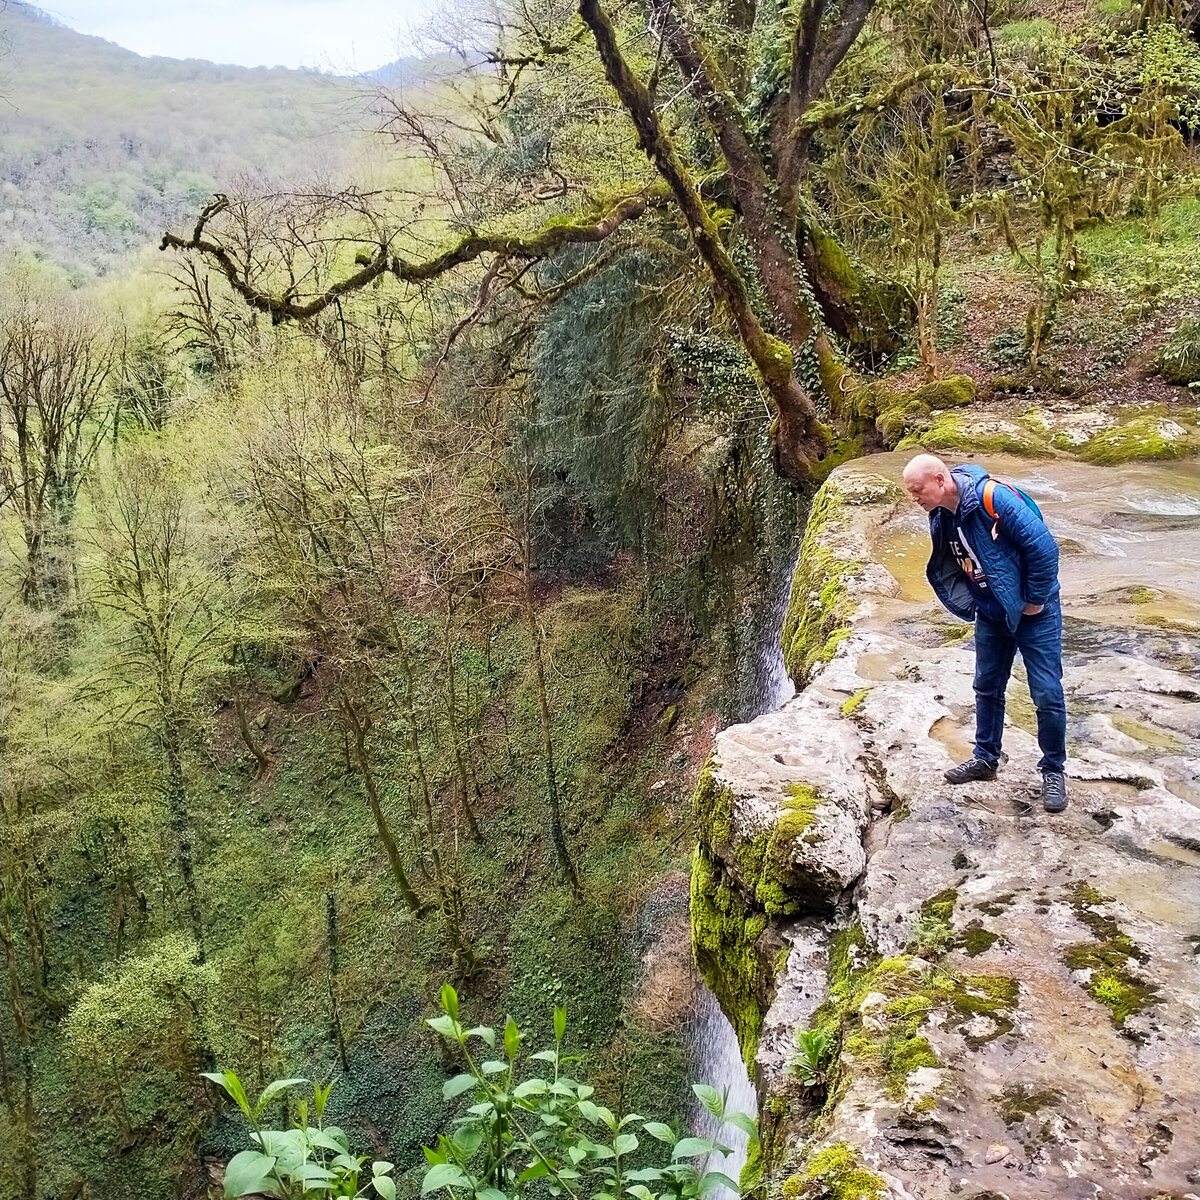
{"points": [[1032, 610]]}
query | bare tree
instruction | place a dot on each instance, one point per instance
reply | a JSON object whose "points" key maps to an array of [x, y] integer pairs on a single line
{"points": [[166, 605], [55, 357]]}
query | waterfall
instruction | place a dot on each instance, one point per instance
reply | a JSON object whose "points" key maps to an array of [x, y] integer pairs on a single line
{"points": [[773, 686], [717, 1060], [716, 1057]]}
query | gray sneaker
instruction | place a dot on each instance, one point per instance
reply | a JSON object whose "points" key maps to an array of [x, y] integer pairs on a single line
{"points": [[1054, 791], [970, 771]]}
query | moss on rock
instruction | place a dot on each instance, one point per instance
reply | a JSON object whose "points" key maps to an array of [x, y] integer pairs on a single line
{"points": [[1018, 1102], [850, 705], [1109, 961], [835, 1173], [725, 943], [950, 432], [819, 608], [1143, 438], [762, 861], [976, 940]]}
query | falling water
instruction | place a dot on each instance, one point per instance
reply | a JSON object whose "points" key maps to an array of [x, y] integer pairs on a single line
{"points": [[716, 1057], [717, 1060]]}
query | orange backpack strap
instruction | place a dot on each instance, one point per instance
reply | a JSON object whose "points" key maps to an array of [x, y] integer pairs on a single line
{"points": [[988, 502]]}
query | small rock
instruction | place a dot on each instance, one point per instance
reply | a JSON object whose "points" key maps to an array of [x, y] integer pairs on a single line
{"points": [[996, 1152]]}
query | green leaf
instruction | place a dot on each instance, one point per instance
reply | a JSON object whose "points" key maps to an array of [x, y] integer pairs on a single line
{"points": [[483, 1031], [457, 1085], [625, 1120], [272, 1090], [664, 1133], [531, 1087], [576, 1154], [713, 1179], [747, 1124], [625, 1143], [289, 1146], [640, 1191], [645, 1175], [339, 1135], [512, 1038], [233, 1086], [494, 1066], [248, 1172], [690, 1147], [443, 1175], [433, 1156], [450, 1000], [711, 1099], [535, 1170], [549, 1056], [466, 1140], [322, 1138], [379, 1167], [385, 1185], [446, 1026], [490, 1194], [560, 1023]]}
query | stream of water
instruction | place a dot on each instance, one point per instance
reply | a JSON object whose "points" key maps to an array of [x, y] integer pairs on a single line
{"points": [[716, 1057]]}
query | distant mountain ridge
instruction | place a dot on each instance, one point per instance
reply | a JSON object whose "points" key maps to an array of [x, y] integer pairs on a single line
{"points": [[102, 148]]}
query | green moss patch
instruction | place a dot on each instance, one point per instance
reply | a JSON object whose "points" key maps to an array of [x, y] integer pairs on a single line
{"points": [[818, 612], [763, 860], [950, 432], [977, 940], [835, 1173], [1146, 734], [1141, 439], [891, 1043], [1109, 960], [725, 937], [997, 905], [850, 705]]}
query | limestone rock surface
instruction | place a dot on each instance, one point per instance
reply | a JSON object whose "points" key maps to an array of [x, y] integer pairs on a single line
{"points": [[991, 976]]}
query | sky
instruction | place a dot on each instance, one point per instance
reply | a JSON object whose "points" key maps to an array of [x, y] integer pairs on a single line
{"points": [[344, 36]]}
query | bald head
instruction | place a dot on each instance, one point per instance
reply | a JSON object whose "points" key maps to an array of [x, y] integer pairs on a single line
{"points": [[929, 483]]}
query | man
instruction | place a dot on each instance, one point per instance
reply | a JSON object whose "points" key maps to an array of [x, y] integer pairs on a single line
{"points": [[1000, 569]]}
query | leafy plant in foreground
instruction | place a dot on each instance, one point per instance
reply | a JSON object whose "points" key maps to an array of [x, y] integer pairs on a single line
{"points": [[543, 1133], [298, 1163], [526, 1133]]}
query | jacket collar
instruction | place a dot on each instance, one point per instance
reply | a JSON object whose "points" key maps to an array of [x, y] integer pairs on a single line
{"points": [[969, 479]]}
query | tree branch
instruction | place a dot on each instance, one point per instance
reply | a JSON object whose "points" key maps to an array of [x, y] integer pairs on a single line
{"points": [[546, 241]]}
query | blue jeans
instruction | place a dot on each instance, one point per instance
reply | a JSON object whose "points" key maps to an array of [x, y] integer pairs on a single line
{"points": [[1039, 639]]}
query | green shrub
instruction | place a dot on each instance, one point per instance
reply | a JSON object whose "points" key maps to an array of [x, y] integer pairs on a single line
{"points": [[1179, 359]]}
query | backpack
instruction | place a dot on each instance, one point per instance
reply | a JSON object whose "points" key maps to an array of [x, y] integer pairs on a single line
{"points": [[990, 506]]}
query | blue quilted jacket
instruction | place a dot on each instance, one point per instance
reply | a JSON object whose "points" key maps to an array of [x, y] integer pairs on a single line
{"points": [[1020, 562]]}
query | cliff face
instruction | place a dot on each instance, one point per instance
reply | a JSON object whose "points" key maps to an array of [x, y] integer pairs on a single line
{"points": [[1001, 1002]]}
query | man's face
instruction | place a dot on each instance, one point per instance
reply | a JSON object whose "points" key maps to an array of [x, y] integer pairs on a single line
{"points": [[927, 490]]}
